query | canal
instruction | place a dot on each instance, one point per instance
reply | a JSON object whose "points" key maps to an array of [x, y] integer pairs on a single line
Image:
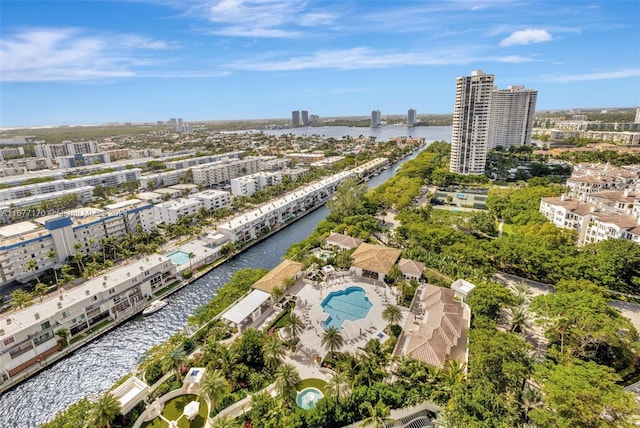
{"points": [[97, 366]]}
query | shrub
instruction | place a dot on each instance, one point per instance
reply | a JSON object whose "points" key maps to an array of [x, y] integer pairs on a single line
{"points": [[153, 372]]}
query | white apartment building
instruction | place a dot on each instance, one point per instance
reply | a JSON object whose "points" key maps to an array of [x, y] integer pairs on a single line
{"points": [[11, 152], [295, 173], [29, 334], [150, 197], [169, 212], [327, 162], [111, 179], [11, 209], [162, 179], [213, 199], [512, 116], [605, 215], [273, 163], [261, 220], [220, 173], [588, 178], [470, 135], [66, 148], [135, 212], [306, 158], [32, 240], [73, 161], [202, 160], [185, 188], [169, 193], [247, 185]]}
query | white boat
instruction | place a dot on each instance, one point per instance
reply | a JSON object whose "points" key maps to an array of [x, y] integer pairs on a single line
{"points": [[155, 306]]}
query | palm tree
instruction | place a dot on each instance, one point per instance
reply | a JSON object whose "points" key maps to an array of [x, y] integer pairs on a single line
{"points": [[519, 319], [174, 360], [32, 265], [392, 314], [78, 257], [20, 298], [294, 326], [378, 415], [332, 340], [225, 421], [287, 379], [523, 294], [273, 351], [213, 387], [104, 410], [226, 361], [52, 255], [63, 335], [276, 294], [67, 277], [338, 387], [368, 371], [530, 400], [41, 290]]}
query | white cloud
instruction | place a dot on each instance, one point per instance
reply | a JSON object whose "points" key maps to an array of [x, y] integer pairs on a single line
{"points": [[368, 58], [605, 75], [262, 18], [70, 54], [526, 37]]}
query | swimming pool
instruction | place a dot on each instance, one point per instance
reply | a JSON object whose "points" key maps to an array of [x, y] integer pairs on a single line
{"points": [[308, 398], [350, 304], [179, 257]]}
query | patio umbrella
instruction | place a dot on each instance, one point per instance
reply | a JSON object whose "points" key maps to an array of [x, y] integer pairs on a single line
{"points": [[191, 410]]}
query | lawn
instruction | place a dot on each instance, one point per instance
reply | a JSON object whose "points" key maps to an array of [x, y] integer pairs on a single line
{"points": [[312, 383], [173, 410]]}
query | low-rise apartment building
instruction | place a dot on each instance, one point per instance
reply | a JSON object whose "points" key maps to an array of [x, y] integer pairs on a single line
{"points": [[220, 173], [28, 335], [170, 212], [247, 185], [256, 222], [213, 199]]}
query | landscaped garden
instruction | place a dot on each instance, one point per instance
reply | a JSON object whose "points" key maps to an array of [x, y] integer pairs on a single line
{"points": [[173, 411]]}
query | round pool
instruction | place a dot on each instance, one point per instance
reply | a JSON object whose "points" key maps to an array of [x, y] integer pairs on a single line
{"points": [[308, 398]]}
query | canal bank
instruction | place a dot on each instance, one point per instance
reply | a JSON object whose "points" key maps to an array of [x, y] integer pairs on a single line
{"points": [[99, 364]]}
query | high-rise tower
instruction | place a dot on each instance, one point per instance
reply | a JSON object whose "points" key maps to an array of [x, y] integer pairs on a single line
{"points": [[295, 117], [305, 117], [469, 139], [512, 112], [411, 117], [375, 118]]}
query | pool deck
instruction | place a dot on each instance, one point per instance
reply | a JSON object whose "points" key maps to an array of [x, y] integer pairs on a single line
{"points": [[356, 333]]}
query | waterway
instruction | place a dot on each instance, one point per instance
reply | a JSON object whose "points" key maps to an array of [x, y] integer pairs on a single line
{"points": [[95, 367], [383, 133]]}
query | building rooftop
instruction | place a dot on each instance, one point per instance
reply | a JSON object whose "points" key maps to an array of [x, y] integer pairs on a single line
{"points": [[288, 269], [375, 258], [439, 323], [411, 267], [343, 240]]}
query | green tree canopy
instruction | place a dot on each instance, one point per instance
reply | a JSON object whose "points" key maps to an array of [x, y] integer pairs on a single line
{"points": [[582, 394]]}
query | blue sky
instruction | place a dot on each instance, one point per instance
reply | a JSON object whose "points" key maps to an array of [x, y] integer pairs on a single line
{"points": [[84, 62]]}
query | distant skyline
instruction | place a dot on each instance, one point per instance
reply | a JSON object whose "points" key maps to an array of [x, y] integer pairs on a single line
{"points": [[89, 62]]}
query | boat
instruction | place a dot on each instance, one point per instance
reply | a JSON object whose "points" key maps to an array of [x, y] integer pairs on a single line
{"points": [[154, 307]]}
